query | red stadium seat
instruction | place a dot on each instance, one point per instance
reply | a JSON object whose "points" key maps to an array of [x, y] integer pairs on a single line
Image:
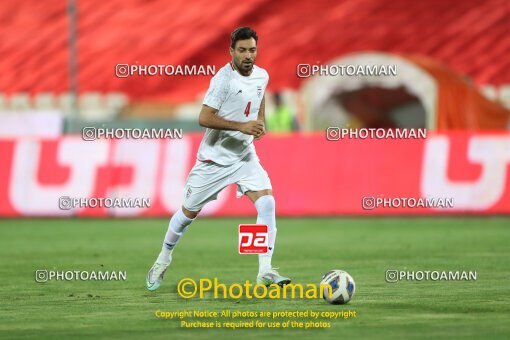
{"points": [[34, 38]]}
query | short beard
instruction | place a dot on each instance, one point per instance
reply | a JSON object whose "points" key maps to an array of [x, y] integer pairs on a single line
{"points": [[243, 71]]}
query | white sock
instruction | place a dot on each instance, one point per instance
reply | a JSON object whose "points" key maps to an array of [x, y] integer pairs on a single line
{"points": [[265, 206], [176, 228]]}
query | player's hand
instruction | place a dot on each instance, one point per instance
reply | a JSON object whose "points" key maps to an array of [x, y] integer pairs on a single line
{"points": [[257, 137], [253, 127]]}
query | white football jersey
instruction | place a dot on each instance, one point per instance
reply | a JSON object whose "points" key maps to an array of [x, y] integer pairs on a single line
{"points": [[237, 98]]}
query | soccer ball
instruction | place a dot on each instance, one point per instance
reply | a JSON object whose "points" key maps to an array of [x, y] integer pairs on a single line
{"points": [[342, 287]]}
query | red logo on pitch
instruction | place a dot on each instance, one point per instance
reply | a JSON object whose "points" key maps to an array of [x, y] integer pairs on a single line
{"points": [[253, 239]]}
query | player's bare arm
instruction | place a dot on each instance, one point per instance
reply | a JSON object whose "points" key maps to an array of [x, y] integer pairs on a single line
{"points": [[208, 118], [262, 110], [262, 116]]}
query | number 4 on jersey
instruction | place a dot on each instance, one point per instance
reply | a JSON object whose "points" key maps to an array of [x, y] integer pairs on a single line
{"points": [[247, 110]]}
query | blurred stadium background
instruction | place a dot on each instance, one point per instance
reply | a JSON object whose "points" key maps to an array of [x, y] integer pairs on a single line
{"points": [[58, 75]]}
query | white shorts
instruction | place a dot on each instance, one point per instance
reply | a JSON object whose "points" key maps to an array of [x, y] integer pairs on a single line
{"points": [[206, 180]]}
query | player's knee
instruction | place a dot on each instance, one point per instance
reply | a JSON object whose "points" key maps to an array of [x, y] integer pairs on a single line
{"points": [[189, 213], [265, 205]]}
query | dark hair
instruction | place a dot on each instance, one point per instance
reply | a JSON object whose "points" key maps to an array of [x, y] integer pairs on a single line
{"points": [[242, 33]]}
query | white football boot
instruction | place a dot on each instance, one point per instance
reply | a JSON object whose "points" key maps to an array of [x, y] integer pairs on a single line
{"points": [[156, 274], [272, 276]]}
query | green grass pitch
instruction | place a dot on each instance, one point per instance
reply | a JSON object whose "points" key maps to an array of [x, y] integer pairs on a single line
{"points": [[306, 248]]}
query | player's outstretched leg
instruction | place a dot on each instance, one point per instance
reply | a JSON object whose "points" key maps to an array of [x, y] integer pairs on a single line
{"points": [[178, 225], [265, 206]]}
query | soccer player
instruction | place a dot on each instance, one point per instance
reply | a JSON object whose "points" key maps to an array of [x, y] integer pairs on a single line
{"points": [[233, 112]]}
